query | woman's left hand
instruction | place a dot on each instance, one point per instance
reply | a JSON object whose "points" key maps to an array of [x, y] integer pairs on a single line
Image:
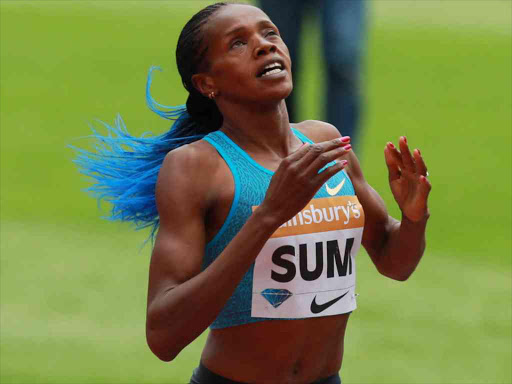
{"points": [[408, 180]]}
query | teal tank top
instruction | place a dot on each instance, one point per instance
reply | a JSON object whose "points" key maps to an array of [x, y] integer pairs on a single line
{"points": [[307, 268]]}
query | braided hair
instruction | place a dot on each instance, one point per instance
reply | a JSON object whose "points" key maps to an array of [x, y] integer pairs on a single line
{"points": [[124, 167], [190, 59]]}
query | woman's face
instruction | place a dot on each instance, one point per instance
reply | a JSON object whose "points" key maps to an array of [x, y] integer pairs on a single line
{"points": [[248, 60]]}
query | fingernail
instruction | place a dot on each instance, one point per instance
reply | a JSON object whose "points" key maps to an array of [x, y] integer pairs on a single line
{"points": [[345, 139], [419, 152], [344, 162], [391, 145], [405, 139], [347, 147]]}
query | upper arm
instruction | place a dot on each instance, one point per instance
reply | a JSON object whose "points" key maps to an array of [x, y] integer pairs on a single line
{"points": [[182, 202]]}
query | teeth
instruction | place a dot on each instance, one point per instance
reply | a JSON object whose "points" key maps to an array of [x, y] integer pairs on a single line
{"points": [[272, 68], [272, 65], [277, 70]]}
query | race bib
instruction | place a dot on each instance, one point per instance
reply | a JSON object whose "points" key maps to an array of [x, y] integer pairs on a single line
{"points": [[307, 267]]}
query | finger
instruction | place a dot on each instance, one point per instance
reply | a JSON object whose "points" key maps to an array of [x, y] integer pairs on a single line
{"points": [[395, 154], [325, 158], [425, 188], [406, 155], [299, 153], [319, 179], [317, 149], [393, 167], [421, 168]]}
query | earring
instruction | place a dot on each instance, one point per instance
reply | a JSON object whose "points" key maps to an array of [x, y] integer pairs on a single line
{"points": [[212, 95]]}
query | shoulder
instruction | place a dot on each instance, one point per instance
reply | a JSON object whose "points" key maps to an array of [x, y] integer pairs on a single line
{"points": [[197, 159], [317, 131], [198, 155], [185, 172]]}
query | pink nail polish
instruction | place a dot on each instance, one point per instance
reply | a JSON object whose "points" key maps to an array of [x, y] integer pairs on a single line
{"points": [[345, 139], [391, 145], [405, 139], [347, 147]]}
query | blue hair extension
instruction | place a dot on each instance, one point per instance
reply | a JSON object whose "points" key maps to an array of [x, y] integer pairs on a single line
{"points": [[167, 112], [125, 168]]}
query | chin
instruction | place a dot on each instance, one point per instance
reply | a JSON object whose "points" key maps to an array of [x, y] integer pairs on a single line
{"points": [[278, 94], [288, 91]]}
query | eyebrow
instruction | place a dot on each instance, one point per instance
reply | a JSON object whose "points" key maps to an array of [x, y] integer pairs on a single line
{"points": [[243, 27]]}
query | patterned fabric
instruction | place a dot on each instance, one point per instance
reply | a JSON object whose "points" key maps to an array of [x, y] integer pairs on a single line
{"points": [[251, 183]]}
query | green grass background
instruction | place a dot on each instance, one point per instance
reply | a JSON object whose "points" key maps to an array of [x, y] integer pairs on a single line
{"points": [[73, 287]]}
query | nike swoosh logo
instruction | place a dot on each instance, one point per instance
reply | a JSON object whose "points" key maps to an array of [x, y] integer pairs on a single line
{"points": [[335, 190], [317, 308]]}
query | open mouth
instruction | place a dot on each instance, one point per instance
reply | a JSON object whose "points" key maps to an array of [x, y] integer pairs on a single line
{"points": [[271, 69]]}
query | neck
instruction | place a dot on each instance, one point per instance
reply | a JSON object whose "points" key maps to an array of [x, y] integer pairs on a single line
{"points": [[261, 129]]}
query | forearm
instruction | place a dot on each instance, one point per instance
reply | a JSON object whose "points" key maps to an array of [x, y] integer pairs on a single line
{"points": [[174, 320], [402, 249]]}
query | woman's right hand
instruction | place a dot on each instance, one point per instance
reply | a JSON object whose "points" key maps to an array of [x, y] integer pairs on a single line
{"points": [[297, 179]]}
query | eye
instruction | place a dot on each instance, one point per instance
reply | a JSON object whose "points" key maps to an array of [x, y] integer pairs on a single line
{"points": [[271, 33], [237, 44]]}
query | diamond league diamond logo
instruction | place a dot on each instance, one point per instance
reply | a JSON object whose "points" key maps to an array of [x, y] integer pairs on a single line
{"points": [[276, 297]]}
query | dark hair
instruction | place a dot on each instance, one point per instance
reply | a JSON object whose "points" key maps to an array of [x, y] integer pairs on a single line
{"points": [[125, 168], [190, 59]]}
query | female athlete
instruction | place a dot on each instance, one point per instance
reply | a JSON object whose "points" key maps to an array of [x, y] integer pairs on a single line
{"points": [[259, 220]]}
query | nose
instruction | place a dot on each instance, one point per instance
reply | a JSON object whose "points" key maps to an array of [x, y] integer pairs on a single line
{"points": [[264, 47]]}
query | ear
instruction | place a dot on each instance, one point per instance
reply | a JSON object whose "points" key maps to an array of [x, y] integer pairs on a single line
{"points": [[203, 83]]}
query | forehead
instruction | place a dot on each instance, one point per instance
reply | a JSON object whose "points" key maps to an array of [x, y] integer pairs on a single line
{"points": [[234, 16]]}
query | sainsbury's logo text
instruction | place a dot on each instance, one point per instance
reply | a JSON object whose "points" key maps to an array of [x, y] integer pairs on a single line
{"points": [[323, 215]]}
